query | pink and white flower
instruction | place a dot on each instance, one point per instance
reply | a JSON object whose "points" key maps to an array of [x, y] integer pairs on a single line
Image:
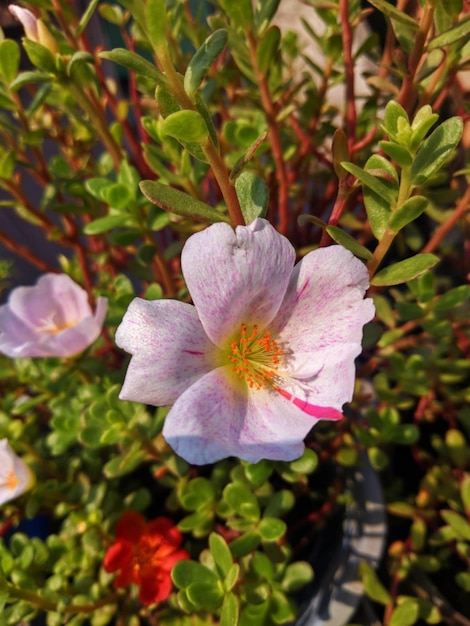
{"points": [[266, 351], [28, 20], [15, 475], [53, 318], [34, 28]]}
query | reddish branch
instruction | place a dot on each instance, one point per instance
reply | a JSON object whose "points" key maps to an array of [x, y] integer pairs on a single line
{"points": [[347, 38], [274, 138]]}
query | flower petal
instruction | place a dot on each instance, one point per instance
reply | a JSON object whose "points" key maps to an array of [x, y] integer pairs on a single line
{"points": [[27, 19], [156, 585], [214, 419], [15, 475], [236, 277], [165, 529], [169, 347], [15, 337], [131, 526], [324, 304], [324, 377], [55, 298], [119, 556]]}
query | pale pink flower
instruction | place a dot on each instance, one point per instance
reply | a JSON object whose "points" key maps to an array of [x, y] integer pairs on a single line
{"points": [[53, 318], [15, 475], [266, 352], [34, 28], [27, 19]]}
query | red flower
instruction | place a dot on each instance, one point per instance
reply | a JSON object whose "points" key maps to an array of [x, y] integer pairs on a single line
{"points": [[145, 553]]}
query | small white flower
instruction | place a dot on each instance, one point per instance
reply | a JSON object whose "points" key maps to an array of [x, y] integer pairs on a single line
{"points": [[15, 475]]}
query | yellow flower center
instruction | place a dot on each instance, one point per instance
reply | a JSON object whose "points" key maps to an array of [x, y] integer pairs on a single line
{"points": [[11, 480], [50, 326], [255, 357]]}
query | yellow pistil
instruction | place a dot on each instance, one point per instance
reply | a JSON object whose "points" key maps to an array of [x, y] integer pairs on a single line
{"points": [[11, 480], [255, 357], [50, 326]]}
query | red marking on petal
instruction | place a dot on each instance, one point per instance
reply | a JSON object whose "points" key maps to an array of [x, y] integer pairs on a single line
{"points": [[304, 287], [195, 352], [315, 410]]}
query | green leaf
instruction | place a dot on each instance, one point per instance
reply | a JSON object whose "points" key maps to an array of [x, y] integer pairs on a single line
{"points": [[104, 224], [436, 150], [155, 22], [423, 121], [245, 544], [135, 62], [267, 50], [253, 195], [280, 503], [40, 56], [452, 299], [463, 581], [240, 12], [457, 448], [406, 270], [271, 528], [465, 493], [296, 576], [221, 553], [265, 10], [372, 585], [306, 464], [389, 10], [459, 32], [406, 614], [347, 241], [263, 566], [372, 182], [242, 501], [395, 117], [197, 493], [118, 196], [458, 523], [258, 473], [230, 611], [232, 577], [186, 126], [180, 203], [202, 60], [80, 56], [9, 60], [378, 209], [28, 78], [407, 212], [186, 573], [205, 596], [86, 17], [398, 153], [124, 464]]}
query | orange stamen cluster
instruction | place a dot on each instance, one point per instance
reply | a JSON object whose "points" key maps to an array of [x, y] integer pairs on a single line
{"points": [[255, 357], [12, 480]]}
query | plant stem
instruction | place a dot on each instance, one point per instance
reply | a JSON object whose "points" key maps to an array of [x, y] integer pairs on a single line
{"points": [[274, 137], [347, 37], [213, 157], [26, 253], [462, 207], [99, 122], [416, 57], [49, 605], [389, 235]]}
